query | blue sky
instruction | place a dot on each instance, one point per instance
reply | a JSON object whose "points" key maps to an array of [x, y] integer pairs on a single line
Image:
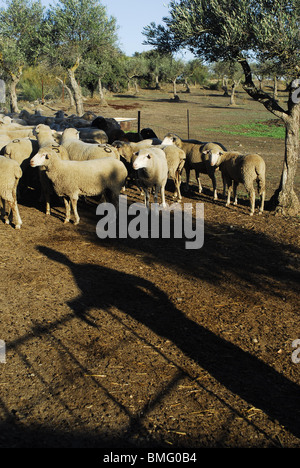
{"points": [[132, 16]]}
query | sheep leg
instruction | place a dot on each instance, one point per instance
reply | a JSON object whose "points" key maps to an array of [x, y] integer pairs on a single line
{"points": [[229, 184], [13, 209], [5, 211], [68, 210], [199, 182], [46, 189], [235, 186], [147, 197], [177, 181], [252, 202], [163, 198], [74, 207], [16, 218], [2, 207], [155, 194], [176, 192], [262, 202], [214, 183], [178, 178]]}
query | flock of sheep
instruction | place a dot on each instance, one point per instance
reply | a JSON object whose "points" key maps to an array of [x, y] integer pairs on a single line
{"points": [[91, 156]]}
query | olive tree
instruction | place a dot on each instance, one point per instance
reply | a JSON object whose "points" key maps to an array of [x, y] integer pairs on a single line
{"points": [[20, 25], [135, 67], [76, 30], [243, 30]]}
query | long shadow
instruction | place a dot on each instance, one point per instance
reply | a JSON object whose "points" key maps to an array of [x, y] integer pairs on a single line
{"points": [[240, 372], [249, 257]]}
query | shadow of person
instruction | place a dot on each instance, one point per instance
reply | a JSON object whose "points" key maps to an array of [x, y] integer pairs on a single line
{"points": [[240, 372]]}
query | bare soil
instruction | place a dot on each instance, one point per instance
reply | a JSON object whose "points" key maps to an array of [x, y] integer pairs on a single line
{"points": [[142, 343]]}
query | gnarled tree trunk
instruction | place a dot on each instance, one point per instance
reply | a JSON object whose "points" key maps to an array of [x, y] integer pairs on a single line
{"points": [[72, 102], [76, 88], [14, 80], [234, 86], [13, 93], [285, 200], [101, 93]]}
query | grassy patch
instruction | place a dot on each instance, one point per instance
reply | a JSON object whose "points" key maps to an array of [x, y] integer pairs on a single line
{"points": [[254, 130]]}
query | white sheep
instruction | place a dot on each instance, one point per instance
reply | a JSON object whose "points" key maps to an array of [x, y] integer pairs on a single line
{"points": [[21, 149], [72, 179], [4, 140], [10, 174], [145, 143], [46, 137], [175, 159], [14, 131], [79, 150], [195, 160], [245, 169], [127, 154], [152, 167], [211, 170]]}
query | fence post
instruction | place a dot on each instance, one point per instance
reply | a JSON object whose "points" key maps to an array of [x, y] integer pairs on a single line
{"points": [[139, 121], [43, 91]]}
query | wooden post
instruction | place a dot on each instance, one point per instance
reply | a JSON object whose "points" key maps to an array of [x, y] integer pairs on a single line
{"points": [[139, 121]]}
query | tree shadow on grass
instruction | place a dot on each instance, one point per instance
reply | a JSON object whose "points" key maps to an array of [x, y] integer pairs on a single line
{"points": [[237, 370]]}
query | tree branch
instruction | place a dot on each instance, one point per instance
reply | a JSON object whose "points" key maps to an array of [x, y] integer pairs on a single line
{"points": [[76, 65], [258, 95]]}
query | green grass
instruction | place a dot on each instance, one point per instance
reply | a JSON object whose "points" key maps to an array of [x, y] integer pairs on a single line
{"points": [[255, 130]]}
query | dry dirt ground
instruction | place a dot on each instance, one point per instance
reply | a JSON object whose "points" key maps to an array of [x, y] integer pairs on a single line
{"points": [[142, 343]]}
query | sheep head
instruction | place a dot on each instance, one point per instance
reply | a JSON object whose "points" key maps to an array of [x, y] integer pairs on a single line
{"points": [[43, 157], [214, 156], [171, 139], [142, 160]]}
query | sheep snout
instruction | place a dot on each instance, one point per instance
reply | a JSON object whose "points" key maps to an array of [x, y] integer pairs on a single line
{"points": [[139, 163], [37, 160]]}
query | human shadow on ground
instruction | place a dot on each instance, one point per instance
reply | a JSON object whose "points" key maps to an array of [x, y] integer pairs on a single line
{"points": [[240, 372]]}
